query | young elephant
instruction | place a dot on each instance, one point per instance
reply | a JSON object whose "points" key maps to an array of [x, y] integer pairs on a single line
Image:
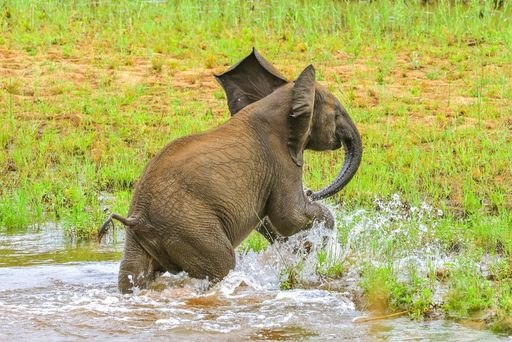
{"points": [[203, 194]]}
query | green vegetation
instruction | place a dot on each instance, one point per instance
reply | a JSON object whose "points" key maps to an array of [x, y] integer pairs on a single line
{"points": [[90, 90]]}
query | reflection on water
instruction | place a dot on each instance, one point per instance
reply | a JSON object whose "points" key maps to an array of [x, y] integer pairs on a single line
{"points": [[52, 290], [48, 245]]}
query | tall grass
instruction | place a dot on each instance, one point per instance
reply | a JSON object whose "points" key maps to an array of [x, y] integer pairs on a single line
{"points": [[98, 129]]}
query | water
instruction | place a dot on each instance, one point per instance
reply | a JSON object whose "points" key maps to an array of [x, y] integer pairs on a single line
{"points": [[51, 289]]}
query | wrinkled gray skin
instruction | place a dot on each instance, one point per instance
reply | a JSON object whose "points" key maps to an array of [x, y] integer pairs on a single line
{"points": [[203, 194]]}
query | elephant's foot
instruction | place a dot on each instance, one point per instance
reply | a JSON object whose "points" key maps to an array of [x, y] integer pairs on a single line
{"points": [[127, 281], [138, 269]]}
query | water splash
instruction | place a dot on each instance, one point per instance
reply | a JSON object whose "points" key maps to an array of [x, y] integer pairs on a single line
{"points": [[264, 270], [300, 252], [394, 232], [395, 235]]}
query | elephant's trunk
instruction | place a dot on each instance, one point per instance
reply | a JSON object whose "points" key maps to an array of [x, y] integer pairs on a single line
{"points": [[353, 152]]}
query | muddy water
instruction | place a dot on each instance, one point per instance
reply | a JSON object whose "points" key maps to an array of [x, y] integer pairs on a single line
{"points": [[54, 290]]}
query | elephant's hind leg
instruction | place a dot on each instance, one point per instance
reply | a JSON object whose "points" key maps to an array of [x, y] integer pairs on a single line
{"points": [[207, 253], [138, 268]]}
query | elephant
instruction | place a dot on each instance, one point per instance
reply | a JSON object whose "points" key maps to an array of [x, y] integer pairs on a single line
{"points": [[203, 194]]}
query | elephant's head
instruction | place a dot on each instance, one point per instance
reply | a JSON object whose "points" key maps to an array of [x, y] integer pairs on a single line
{"points": [[317, 120]]}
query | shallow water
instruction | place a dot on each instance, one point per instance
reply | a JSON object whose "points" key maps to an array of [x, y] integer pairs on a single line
{"points": [[51, 289]]}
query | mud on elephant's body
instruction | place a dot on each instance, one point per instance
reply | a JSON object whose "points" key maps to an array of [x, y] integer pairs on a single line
{"points": [[203, 194]]}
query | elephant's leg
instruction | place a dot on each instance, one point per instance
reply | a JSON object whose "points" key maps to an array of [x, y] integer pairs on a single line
{"points": [[268, 231], [289, 222], [137, 268], [204, 252]]}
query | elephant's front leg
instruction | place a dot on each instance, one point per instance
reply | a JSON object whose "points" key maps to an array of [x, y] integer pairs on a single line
{"points": [[322, 214], [289, 220], [268, 231]]}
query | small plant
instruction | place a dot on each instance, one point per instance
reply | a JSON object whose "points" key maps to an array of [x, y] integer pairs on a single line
{"points": [[291, 277], [254, 242], [384, 292], [210, 62], [327, 267], [415, 60], [219, 95], [377, 285], [381, 74], [469, 296], [413, 295], [13, 87], [157, 64]]}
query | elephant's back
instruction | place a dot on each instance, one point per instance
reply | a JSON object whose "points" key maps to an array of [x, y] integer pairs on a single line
{"points": [[225, 152], [205, 170]]}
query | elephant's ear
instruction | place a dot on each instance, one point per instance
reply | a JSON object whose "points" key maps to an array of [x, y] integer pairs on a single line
{"points": [[300, 119], [249, 80]]}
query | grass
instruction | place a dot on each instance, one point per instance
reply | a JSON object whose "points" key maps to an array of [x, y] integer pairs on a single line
{"points": [[90, 90]]}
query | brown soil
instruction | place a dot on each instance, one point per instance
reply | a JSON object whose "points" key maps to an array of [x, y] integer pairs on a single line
{"points": [[428, 101]]}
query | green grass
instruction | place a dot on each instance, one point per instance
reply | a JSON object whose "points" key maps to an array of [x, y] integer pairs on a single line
{"points": [[90, 90]]}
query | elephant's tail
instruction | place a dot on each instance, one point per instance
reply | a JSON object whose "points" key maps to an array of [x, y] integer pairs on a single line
{"points": [[129, 222]]}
